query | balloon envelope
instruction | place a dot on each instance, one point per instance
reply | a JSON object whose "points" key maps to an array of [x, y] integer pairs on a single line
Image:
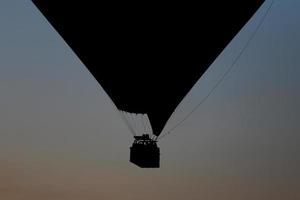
{"points": [[148, 56]]}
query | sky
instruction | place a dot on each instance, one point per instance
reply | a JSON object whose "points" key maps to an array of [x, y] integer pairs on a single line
{"points": [[61, 138]]}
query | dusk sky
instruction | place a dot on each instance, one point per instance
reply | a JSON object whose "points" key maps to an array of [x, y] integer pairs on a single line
{"points": [[61, 138]]}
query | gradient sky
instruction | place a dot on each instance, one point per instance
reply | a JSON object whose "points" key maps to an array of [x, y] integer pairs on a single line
{"points": [[60, 137]]}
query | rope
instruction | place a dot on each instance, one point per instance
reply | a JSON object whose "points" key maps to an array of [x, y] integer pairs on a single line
{"points": [[137, 124], [121, 113], [226, 72], [127, 122], [133, 123], [143, 122], [148, 124]]}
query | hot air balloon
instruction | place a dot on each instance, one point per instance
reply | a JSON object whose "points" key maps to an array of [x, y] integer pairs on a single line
{"points": [[146, 55]]}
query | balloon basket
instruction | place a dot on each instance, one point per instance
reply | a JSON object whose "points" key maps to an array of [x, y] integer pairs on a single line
{"points": [[144, 152]]}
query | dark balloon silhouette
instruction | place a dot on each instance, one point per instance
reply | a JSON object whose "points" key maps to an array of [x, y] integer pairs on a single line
{"points": [[145, 55]]}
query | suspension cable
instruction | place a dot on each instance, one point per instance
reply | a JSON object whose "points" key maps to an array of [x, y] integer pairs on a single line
{"points": [[143, 122], [148, 125], [252, 36], [127, 123], [131, 115], [121, 113]]}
